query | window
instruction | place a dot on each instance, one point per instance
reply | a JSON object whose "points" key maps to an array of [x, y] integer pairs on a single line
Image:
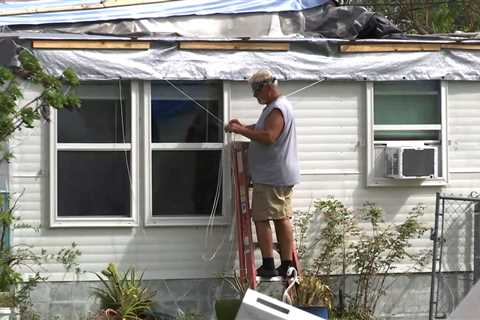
{"points": [[407, 117], [184, 126], [93, 158]]}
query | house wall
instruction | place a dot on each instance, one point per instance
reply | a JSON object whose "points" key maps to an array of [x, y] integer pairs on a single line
{"points": [[162, 252], [331, 132]]}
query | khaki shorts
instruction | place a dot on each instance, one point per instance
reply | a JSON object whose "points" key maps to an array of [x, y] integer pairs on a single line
{"points": [[271, 203]]}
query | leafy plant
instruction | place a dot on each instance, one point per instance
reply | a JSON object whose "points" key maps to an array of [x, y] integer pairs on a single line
{"points": [[123, 292], [14, 258], [312, 291], [370, 253], [427, 16], [55, 92]]}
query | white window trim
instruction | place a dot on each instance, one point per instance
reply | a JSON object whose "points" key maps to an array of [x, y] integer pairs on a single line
{"points": [[373, 181], [150, 220], [96, 221]]}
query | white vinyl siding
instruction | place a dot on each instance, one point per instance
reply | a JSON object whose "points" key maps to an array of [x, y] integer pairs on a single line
{"points": [[331, 134], [464, 127]]}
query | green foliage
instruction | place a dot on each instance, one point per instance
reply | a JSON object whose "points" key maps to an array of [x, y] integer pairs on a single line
{"points": [[14, 258], [123, 292], [56, 92], [427, 16], [370, 252], [351, 314]]}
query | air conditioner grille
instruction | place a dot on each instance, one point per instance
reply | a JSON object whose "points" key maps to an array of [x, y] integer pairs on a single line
{"points": [[418, 162]]}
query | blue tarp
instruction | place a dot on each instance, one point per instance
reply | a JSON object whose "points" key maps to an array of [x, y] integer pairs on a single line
{"points": [[153, 10]]}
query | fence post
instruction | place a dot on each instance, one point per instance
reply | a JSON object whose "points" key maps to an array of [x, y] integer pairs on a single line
{"points": [[434, 237]]}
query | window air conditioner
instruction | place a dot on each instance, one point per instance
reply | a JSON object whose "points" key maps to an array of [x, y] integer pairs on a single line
{"points": [[406, 162]]}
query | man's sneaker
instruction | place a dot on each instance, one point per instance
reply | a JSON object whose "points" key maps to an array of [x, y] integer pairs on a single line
{"points": [[282, 271], [267, 273]]}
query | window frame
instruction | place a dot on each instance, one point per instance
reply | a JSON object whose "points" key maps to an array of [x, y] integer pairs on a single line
{"points": [[149, 147], [132, 146], [371, 179]]}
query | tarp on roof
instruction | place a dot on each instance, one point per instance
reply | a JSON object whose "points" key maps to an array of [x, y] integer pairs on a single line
{"points": [[301, 62], [314, 18], [141, 11]]}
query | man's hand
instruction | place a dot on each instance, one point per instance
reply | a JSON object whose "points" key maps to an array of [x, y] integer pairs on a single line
{"points": [[273, 128], [234, 126]]}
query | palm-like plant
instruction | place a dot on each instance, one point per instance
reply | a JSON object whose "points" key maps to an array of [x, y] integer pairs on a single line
{"points": [[123, 292]]}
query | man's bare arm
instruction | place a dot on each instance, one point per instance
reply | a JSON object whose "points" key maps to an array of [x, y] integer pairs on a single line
{"points": [[273, 128]]}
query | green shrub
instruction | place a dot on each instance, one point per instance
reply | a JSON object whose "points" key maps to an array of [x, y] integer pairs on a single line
{"points": [[369, 253]]}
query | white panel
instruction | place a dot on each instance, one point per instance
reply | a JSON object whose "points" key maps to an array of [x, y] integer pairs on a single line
{"points": [[332, 155], [464, 126], [26, 144], [328, 119], [179, 252], [396, 202]]}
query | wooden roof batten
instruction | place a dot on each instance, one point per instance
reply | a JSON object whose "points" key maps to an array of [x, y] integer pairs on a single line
{"points": [[145, 45], [91, 44], [406, 47]]}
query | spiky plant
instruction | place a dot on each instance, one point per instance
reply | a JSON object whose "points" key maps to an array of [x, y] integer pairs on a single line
{"points": [[123, 292]]}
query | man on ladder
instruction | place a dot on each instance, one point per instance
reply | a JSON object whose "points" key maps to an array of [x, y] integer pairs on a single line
{"points": [[274, 169]]}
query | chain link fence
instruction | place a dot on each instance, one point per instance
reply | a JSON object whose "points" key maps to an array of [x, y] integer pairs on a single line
{"points": [[456, 251]]}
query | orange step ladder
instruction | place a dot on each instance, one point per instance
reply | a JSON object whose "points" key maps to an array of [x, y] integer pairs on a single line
{"points": [[246, 251]]}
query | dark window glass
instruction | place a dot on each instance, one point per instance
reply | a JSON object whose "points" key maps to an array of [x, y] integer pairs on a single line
{"points": [[185, 182], [407, 135], [93, 183], [176, 118], [104, 117]]}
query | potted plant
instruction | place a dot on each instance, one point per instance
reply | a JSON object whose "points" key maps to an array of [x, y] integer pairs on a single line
{"points": [[226, 309], [122, 295], [312, 295]]}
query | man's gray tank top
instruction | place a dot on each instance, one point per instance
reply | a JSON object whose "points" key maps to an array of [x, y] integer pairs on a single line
{"points": [[276, 164]]}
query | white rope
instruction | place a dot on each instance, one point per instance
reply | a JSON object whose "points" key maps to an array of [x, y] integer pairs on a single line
{"points": [[123, 134], [306, 87], [293, 279], [211, 218], [194, 101]]}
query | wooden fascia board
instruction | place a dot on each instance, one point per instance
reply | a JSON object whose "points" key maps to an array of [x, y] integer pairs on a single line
{"points": [[78, 7], [389, 47], [91, 44], [405, 47], [461, 46], [234, 45]]}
